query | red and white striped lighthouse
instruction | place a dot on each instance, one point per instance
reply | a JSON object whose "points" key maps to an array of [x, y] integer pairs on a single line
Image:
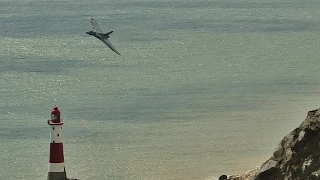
{"points": [[57, 169]]}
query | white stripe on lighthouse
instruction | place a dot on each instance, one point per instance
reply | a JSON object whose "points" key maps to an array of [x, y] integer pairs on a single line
{"points": [[56, 133], [56, 167]]}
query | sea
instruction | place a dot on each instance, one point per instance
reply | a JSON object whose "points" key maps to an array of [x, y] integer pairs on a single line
{"points": [[201, 88]]}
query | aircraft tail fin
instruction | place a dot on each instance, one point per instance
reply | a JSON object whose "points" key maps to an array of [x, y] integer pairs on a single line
{"points": [[107, 34]]}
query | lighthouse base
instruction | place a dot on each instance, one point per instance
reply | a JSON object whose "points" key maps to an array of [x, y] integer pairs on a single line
{"points": [[57, 176]]}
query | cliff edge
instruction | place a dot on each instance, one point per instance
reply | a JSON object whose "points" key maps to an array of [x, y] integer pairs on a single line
{"points": [[297, 156]]}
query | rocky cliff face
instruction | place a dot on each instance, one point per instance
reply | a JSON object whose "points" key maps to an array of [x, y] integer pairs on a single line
{"points": [[297, 156]]}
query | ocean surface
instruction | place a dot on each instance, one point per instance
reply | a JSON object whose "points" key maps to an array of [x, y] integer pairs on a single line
{"points": [[202, 88]]}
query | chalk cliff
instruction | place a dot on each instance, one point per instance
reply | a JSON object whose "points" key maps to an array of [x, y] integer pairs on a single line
{"points": [[297, 156]]}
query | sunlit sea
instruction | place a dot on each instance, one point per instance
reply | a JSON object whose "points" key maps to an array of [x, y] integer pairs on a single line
{"points": [[202, 88]]}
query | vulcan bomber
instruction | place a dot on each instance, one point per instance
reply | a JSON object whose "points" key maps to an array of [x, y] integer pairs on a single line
{"points": [[96, 32]]}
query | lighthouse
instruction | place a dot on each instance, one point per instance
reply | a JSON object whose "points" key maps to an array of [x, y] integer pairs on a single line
{"points": [[57, 170]]}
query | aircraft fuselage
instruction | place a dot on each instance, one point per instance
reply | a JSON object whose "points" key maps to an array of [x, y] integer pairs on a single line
{"points": [[98, 35]]}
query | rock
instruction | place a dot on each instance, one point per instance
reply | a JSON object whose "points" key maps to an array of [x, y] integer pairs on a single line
{"points": [[223, 177], [246, 176], [297, 156]]}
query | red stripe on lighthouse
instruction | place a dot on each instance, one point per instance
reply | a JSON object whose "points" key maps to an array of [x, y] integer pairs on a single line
{"points": [[56, 153]]}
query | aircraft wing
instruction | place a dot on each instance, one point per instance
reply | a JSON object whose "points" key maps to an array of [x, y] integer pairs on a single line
{"points": [[95, 26], [108, 43]]}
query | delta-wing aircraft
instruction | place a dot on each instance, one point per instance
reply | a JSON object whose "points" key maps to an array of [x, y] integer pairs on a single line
{"points": [[96, 32]]}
